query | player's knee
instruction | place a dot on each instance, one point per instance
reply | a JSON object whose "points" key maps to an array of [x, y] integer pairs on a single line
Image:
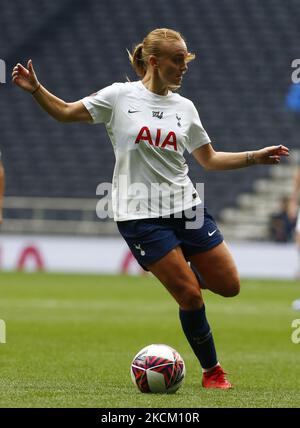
{"points": [[186, 291], [232, 289], [190, 298]]}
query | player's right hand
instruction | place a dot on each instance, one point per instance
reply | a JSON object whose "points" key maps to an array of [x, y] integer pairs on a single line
{"points": [[25, 78]]}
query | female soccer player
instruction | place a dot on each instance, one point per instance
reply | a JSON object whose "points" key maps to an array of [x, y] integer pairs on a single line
{"points": [[150, 126]]}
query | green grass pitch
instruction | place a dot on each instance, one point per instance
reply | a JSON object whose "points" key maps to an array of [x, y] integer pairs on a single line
{"points": [[70, 340]]}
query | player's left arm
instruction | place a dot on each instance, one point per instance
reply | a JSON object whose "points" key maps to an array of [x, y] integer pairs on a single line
{"points": [[212, 160], [2, 176]]}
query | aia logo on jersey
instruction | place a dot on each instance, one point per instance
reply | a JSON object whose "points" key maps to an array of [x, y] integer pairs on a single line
{"points": [[145, 135]]}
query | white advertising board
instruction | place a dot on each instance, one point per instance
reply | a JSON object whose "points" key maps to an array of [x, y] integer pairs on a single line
{"points": [[112, 256]]}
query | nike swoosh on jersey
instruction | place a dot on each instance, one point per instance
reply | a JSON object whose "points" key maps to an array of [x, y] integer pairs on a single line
{"points": [[134, 111], [212, 233]]}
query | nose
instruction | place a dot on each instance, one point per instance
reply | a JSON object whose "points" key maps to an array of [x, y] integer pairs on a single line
{"points": [[184, 68]]}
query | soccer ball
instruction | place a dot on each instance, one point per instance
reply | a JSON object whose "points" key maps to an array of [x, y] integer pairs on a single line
{"points": [[157, 368]]}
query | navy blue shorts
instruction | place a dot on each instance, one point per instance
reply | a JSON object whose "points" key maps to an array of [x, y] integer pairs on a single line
{"points": [[151, 239]]}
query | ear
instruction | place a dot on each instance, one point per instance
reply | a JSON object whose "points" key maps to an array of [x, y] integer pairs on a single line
{"points": [[153, 61]]}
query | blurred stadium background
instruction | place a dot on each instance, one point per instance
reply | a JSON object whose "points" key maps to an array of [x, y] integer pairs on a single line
{"points": [[66, 332], [240, 82]]}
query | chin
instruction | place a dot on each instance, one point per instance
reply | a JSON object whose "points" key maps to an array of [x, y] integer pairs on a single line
{"points": [[174, 86]]}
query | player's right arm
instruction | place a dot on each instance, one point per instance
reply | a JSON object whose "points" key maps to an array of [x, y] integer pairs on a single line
{"points": [[60, 110]]}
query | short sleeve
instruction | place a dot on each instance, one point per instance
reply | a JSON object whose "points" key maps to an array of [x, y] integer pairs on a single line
{"points": [[197, 136], [101, 104]]}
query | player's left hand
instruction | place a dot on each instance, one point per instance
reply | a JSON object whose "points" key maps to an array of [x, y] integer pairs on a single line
{"points": [[270, 155]]}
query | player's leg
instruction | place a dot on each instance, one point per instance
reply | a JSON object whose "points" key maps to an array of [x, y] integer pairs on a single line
{"points": [[218, 270], [218, 274], [210, 257], [175, 274]]}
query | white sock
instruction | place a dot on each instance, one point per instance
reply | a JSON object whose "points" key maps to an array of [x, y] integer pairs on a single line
{"points": [[211, 368]]}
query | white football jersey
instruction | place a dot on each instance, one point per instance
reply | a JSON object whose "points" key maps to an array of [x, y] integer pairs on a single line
{"points": [[149, 134]]}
